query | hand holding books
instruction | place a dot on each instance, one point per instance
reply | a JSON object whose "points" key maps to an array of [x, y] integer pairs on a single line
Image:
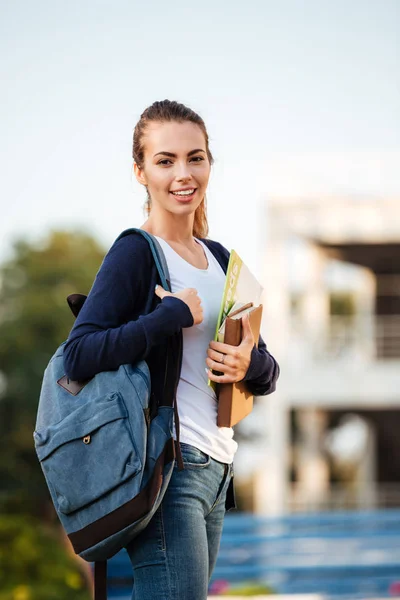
{"points": [[231, 361], [241, 297]]}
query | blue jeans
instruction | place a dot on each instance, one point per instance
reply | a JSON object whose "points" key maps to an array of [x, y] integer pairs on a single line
{"points": [[174, 556]]}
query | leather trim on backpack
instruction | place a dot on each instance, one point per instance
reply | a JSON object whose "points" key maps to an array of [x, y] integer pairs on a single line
{"points": [[71, 386], [128, 513]]}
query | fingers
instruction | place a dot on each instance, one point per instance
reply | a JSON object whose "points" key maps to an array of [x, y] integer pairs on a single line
{"points": [[214, 362], [192, 299], [218, 366], [189, 296], [218, 357], [222, 348], [160, 292], [247, 334], [235, 362], [221, 378]]}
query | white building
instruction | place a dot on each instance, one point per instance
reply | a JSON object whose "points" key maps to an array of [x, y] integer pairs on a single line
{"points": [[326, 255]]}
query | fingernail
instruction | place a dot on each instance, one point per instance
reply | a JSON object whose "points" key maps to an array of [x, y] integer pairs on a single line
{"points": [[206, 369], [155, 289]]}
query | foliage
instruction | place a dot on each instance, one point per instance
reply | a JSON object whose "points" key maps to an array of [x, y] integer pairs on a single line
{"points": [[247, 590], [342, 304], [34, 320], [222, 587], [34, 565]]}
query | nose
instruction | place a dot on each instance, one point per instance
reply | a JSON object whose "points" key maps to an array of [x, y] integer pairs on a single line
{"points": [[183, 172]]}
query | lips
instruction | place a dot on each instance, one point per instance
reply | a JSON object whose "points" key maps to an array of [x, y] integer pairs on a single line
{"points": [[184, 197]]}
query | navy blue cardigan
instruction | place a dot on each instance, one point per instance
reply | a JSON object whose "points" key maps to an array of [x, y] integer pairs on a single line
{"points": [[123, 321]]}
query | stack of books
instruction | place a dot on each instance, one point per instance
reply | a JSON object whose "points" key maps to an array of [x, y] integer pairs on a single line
{"points": [[242, 294]]}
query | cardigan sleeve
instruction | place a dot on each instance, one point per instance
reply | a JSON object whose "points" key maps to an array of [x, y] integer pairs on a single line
{"points": [[104, 335], [263, 371]]}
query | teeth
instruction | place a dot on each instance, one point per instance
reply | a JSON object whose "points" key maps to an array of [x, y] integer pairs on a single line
{"points": [[184, 192]]}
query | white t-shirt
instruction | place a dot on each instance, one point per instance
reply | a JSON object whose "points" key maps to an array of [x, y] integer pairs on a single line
{"points": [[197, 404]]}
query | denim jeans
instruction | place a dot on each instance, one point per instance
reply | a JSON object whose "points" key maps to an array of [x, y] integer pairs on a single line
{"points": [[174, 556]]}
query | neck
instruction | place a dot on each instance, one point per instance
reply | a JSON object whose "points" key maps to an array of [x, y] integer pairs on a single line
{"points": [[174, 228]]}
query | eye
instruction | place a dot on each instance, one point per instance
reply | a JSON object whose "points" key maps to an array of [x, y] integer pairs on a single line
{"points": [[164, 161], [197, 158]]}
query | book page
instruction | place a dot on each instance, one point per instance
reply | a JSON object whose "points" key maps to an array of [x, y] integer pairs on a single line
{"points": [[235, 313], [241, 286]]}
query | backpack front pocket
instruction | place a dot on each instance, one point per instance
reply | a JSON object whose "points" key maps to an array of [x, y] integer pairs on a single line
{"points": [[88, 453]]}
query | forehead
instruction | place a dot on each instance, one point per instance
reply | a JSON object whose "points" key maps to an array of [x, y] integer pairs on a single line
{"points": [[173, 137]]}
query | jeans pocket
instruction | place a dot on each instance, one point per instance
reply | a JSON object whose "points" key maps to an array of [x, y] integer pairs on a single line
{"points": [[193, 458], [224, 487]]}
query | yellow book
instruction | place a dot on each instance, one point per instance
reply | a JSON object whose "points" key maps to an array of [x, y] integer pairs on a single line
{"points": [[241, 288]]}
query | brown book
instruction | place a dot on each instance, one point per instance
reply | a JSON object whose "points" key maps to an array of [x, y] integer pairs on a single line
{"points": [[234, 399]]}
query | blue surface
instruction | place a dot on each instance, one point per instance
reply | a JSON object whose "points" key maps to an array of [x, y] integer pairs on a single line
{"points": [[343, 554]]}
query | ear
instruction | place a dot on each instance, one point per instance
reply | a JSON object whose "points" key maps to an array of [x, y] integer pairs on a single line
{"points": [[139, 174]]}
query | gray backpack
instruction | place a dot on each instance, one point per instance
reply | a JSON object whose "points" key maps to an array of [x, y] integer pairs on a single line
{"points": [[106, 464]]}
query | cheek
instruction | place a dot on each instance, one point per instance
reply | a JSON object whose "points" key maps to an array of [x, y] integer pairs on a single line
{"points": [[159, 179], [202, 176], [205, 175]]}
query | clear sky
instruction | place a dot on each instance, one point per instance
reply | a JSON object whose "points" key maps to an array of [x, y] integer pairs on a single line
{"points": [[299, 97]]}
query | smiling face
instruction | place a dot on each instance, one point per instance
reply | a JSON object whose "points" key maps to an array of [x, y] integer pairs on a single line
{"points": [[176, 167]]}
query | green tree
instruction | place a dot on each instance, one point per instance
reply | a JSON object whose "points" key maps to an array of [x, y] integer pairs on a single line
{"points": [[34, 564], [34, 320]]}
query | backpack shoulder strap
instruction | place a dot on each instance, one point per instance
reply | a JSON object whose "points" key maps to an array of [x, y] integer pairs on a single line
{"points": [[76, 301], [162, 268], [100, 580], [157, 252]]}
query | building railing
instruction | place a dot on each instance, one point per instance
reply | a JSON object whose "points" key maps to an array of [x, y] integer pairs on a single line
{"points": [[346, 337]]}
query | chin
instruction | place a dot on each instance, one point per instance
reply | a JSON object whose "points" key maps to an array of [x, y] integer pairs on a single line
{"points": [[185, 208]]}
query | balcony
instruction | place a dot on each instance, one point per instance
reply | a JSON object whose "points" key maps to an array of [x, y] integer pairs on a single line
{"points": [[345, 361], [361, 337]]}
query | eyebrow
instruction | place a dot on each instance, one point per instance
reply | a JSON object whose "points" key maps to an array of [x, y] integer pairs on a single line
{"points": [[172, 155]]}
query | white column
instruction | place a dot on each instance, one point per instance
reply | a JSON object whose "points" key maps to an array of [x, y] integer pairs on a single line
{"points": [[312, 467], [366, 474], [365, 298], [315, 303], [271, 478], [276, 298]]}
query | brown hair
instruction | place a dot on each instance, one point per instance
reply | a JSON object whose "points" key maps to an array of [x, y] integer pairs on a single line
{"points": [[164, 111]]}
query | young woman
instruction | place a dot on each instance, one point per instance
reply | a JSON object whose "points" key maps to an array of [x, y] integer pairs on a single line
{"points": [[127, 317]]}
